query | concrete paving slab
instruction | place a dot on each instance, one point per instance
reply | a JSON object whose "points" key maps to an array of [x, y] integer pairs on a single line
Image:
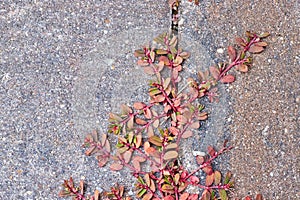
{"points": [[65, 65]]}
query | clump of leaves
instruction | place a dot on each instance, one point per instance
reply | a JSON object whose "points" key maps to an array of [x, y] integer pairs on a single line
{"points": [[150, 134]]}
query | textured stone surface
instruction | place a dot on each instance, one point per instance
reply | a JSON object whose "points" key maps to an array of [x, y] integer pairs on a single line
{"points": [[65, 65]]}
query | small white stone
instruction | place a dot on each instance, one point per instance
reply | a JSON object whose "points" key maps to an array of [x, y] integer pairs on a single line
{"points": [[220, 50], [181, 21], [271, 174], [198, 153], [105, 32], [265, 131], [109, 61]]}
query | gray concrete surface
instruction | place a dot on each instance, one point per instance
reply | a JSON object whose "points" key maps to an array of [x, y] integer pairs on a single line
{"points": [[65, 64]]}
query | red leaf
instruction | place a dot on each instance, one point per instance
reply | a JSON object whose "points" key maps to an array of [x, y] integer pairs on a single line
{"points": [[231, 53], [159, 98], [242, 68], [149, 70], [142, 62], [139, 105], [214, 72], [184, 196], [169, 197], [241, 41], [127, 156], [136, 164], [208, 170], [258, 197], [261, 44], [102, 160], [211, 151], [227, 79], [209, 179], [173, 130], [255, 49], [148, 196], [200, 160], [194, 179], [153, 152], [187, 134], [140, 121], [116, 167], [165, 60], [205, 195], [193, 197], [195, 125], [148, 113]]}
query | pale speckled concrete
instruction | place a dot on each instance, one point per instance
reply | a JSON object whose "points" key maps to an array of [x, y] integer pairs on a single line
{"points": [[55, 85], [264, 122]]}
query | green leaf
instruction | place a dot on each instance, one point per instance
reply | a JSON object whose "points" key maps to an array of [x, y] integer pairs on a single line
{"points": [[227, 177], [152, 56], [125, 109], [155, 140], [141, 192], [264, 35], [139, 53], [223, 194], [161, 52], [153, 92], [168, 188], [218, 177]]}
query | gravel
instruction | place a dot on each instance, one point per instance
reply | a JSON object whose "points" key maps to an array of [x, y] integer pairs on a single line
{"points": [[65, 64]]}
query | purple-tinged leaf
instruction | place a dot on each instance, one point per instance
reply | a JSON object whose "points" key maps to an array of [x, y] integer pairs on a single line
{"points": [[116, 166], [214, 72], [227, 79], [232, 53], [255, 49]]}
